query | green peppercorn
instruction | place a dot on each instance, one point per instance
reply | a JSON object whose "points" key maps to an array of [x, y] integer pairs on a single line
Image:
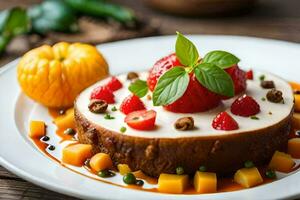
{"points": [[139, 182], [270, 174], [123, 129], [202, 168], [129, 178], [179, 170], [248, 164], [69, 131], [106, 173]]}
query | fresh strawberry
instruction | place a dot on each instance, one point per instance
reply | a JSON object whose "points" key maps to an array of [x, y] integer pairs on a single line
{"points": [[224, 121], [160, 67], [103, 93], [141, 120], [249, 74], [114, 84], [239, 78], [131, 103], [245, 106], [195, 99]]}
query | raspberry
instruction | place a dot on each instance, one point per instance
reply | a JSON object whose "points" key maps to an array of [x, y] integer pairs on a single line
{"points": [[224, 121], [245, 106], [114, 84], [131, 103], [103, 93], [249, 75]]}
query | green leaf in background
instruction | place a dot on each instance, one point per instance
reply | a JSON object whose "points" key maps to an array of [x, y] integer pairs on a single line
{"points": [[53, 15], [13, 22], [102, 9], [170, 86], [214, 79], [186, 51], [222, 59], [139, 88]]}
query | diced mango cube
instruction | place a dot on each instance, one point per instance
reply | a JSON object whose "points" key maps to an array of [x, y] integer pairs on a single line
{"points": [[294, 147], [37, 129], [296, 120], [297, 102], [205, 182], [101, 161], [123, 169], [76, 154], [248, 177], [172, 183], [281, 162], [66, 121]]}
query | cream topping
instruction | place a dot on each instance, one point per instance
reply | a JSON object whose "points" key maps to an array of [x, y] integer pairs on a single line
{"points": [[165, 120]]}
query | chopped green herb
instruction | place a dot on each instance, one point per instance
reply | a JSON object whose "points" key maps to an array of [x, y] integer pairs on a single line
{"points": [[249, 164], [262, 77], [254, 118], [270, 174], [263, 99], [202, 168], [123, 129], [108, 116], [179, 170], [114, 109]]}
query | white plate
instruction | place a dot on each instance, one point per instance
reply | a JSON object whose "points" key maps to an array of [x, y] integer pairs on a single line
{"points": [[20, 156]]}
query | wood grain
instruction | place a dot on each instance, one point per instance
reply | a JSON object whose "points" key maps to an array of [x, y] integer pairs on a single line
{"points": [[275, 19]]}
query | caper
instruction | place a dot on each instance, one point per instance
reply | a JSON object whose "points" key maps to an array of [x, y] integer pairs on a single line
{"points": [[202, 168], [249, 164], [51, 148], [129, 178], [179, 170], [45, 138], [139, 182]]}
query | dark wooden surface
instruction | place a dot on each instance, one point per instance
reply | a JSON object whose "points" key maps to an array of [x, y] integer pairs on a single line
{"points": [[270, 19]]}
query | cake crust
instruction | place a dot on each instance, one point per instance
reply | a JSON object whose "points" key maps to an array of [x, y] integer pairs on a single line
{"points": [[222, 154]]}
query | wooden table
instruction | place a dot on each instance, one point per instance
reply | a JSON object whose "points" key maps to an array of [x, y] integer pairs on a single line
{"points": [[270, 19]]}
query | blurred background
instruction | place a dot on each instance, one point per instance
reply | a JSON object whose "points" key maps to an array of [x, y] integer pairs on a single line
{"points": [[99, 21], [25, 24]]}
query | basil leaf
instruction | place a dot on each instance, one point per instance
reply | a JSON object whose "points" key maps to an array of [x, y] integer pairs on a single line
{"points": [[222, 59], [214, 79], [171, 86], [139, 88], [186, 51]]}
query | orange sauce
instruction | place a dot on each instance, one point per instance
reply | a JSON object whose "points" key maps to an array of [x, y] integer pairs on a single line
{"points": [[224, 184], [54, 113], [42, 147]]}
